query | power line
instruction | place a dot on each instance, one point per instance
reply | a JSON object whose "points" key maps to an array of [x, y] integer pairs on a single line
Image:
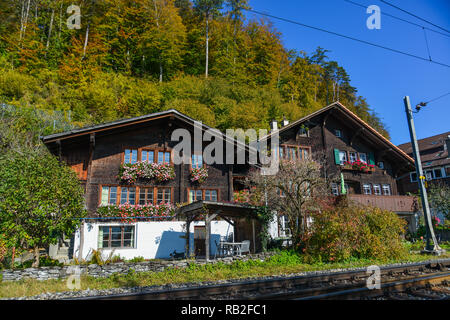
{"points": [[401, 19], [347, 37], [438, 97], [390, 4]]}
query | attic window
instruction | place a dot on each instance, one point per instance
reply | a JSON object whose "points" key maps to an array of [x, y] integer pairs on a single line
{"points": [[338, 133]]}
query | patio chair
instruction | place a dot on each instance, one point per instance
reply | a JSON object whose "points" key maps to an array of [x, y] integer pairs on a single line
{"points": [[219, 249], [245, 247]]}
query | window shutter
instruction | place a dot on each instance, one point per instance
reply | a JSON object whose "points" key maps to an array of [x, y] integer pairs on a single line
{"points": [[371, 158], [337, 159]]}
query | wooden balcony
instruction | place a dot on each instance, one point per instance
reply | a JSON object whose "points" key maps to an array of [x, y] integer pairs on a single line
{"points": [[399, 204]]}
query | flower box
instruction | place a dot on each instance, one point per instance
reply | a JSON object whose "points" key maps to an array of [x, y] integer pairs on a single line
{"points": [[199, 175], [133, 213], [358, 166], [161, 172]]}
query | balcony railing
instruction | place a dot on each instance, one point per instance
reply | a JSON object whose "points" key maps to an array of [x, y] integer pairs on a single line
{"points": [[392, 203]]}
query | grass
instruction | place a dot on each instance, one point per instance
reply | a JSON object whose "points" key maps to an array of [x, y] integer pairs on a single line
{"points": [[281, 264]]}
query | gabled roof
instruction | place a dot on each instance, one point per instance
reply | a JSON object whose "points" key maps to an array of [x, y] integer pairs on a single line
{"points": [[171, 113], [340, 107], [432, 150], [119, 123]]}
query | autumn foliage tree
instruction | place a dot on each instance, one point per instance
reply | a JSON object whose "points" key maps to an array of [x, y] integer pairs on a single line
{"points": [[296, 191]]}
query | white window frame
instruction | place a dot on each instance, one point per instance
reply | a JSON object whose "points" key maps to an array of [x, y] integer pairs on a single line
{"points": [[335, 189], [369, 189], [442, 173], [285, 231], [355, 156], [338, 133], [387, 187], [363, 157], [411, 176], [342, 157], [377, 190]]}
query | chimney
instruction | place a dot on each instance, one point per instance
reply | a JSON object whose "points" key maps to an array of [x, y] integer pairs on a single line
{"points": [[447, 145], [273, 125], [285, 122]]}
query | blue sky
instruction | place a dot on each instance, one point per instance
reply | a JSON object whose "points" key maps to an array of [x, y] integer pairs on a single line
{"points": [[381, 76]]}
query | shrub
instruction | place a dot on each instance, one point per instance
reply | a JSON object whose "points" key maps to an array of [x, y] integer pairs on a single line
{"points": [[349, 232], [136, 259]]}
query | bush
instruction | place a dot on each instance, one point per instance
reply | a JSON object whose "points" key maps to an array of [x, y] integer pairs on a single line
{"points": [[349, 232], [136, 259]]}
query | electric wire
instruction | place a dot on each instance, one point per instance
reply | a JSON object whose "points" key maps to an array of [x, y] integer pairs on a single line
{"points": [[438, 98], [346, 37], [411, 14]]}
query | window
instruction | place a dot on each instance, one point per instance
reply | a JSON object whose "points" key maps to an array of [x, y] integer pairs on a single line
{"points": [[116, 237], [363, 157], [109, 196], [164, 195], [281, 152], [447, 171], [413, 176], [437, 173], [128, 195], [338, 133], [163, 157], [145, 196], [292, 153], [148, 156], [377, 189], [130, 156], [428, 174], [195, 195], [386, 189], [342, 157], [334, 189], [381, 165], [353, 156], [366, 189], [211, 195], [285, 231], [197, 161], [207, 195]]}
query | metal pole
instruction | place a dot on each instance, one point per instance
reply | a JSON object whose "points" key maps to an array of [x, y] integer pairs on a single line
{"points": [[421, 182]]}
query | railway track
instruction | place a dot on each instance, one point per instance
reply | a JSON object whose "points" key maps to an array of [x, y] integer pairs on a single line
{"points": [[352, 284]]}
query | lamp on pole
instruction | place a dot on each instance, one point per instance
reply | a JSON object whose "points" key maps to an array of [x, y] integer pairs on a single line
{"points": [[435, 249]]}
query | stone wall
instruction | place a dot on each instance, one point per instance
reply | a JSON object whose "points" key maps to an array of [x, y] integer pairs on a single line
{"points": [[106, 270]]}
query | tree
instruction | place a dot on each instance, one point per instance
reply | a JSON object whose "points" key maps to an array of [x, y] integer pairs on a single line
{"points": [[209, 9], [295, 191], [40, 200], [439, 197]]}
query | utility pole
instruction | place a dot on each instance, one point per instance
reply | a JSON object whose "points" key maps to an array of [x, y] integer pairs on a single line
{"points": [[435, 249]]}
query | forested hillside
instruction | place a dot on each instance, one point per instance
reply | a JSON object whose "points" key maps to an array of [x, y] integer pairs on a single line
{"points": [[133, 57]]}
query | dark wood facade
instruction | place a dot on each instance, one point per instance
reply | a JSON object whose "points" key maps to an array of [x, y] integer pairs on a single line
{"points": [[97, 153]]}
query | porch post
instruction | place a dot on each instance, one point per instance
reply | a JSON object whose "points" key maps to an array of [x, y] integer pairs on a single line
{"points": [[188, 236], [208, 231]]}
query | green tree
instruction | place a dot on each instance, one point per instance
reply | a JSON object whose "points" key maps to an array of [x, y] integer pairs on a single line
{"points": [[41, 199], [439, 198]]}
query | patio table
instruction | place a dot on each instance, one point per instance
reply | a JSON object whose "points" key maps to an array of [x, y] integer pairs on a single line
{"points": [[234, 246]]}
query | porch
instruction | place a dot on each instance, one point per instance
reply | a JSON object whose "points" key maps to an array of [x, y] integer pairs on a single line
{"points": [[242, 217]]}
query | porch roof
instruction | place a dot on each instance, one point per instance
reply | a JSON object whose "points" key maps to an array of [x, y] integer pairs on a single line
{"points": [[227, 209]]}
